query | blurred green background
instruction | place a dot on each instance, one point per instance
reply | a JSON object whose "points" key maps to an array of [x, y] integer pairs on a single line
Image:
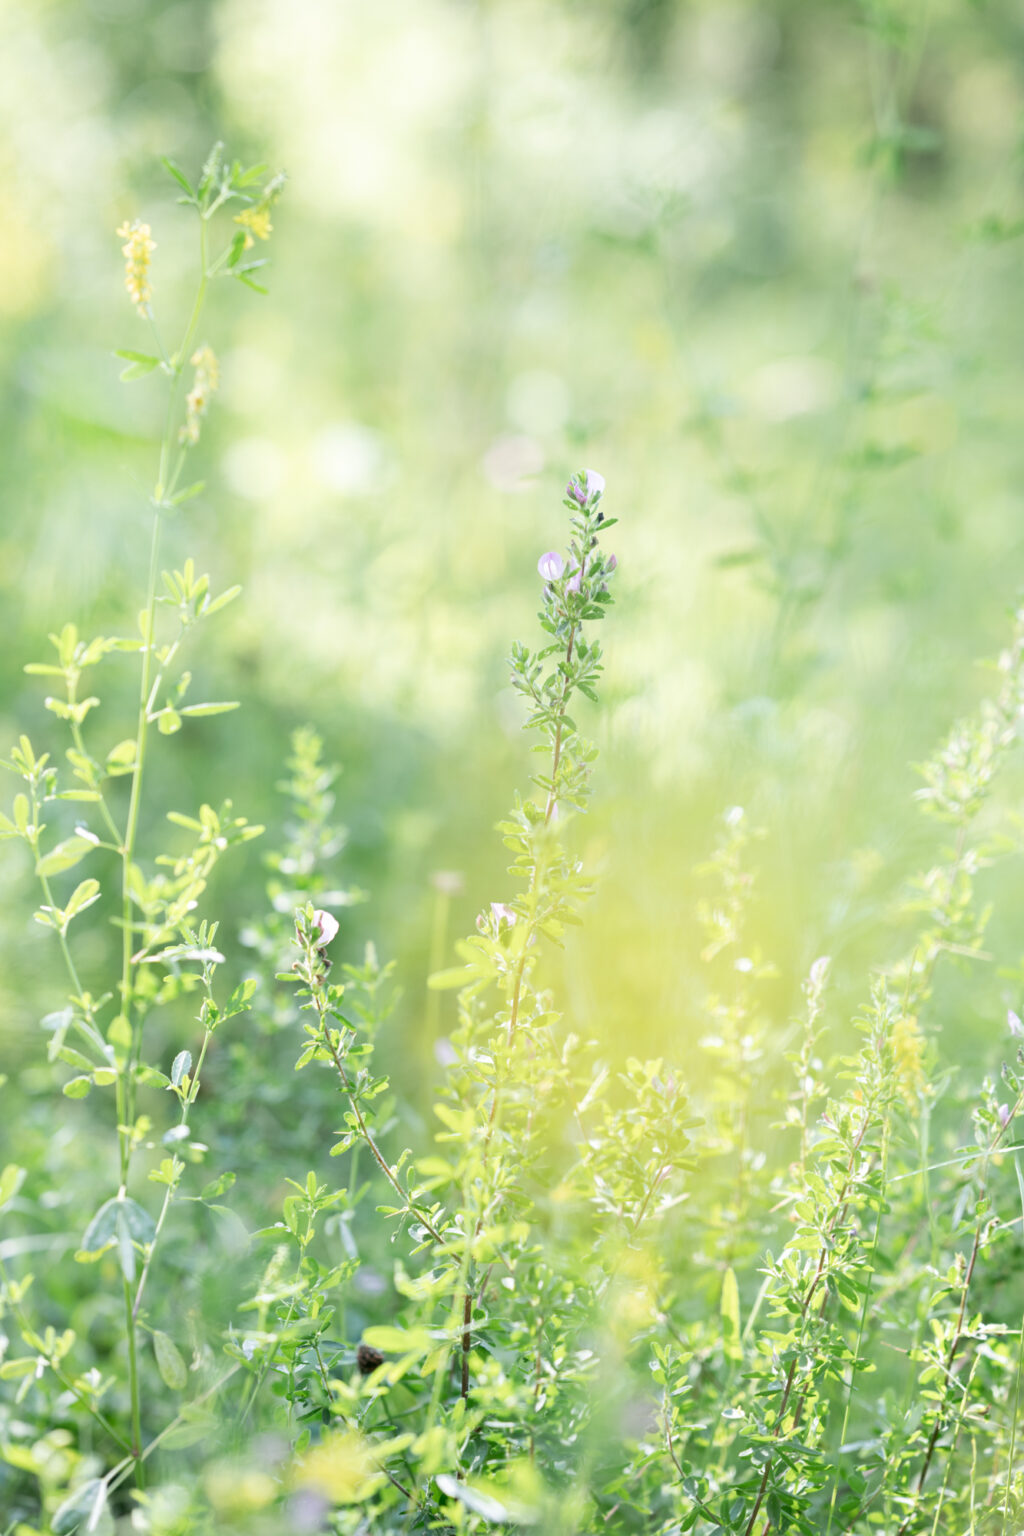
{"points": [[759, 264]]}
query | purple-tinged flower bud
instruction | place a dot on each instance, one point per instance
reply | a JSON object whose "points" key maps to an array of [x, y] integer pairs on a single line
{"points": [[818, 973], [1015, 1025], [327, 925], [585, 487], [551, 565], [445, 1053], [574, 582], [611, 563], [1004, 1115]]}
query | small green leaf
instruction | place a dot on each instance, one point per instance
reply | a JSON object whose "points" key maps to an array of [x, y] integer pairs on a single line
{"points": [[172, 1368], [217, 1187], [207, 709], [181, 1067], [731, 1344], [240, 998], [121, 759], [475, 1499], [179, 176], [168, 721], [181, 820], [85, 1512], [77, 1088], [398, 1341], [11, 1370], [149, 1077], [120, 1032], [11, 1180], [187, 494], [75, 1059], [139, 367], [66, 854], [81, 897], [100, 1231], [221, 601], [446, 981]]}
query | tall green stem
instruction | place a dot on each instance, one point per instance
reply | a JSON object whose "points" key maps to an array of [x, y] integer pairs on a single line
{"points": [[126, 1076]]}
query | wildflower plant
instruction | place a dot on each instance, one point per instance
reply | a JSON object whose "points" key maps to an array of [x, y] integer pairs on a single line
{"points": [[84, 800]]}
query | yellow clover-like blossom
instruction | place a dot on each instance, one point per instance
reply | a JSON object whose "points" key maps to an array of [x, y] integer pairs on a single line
{"points": [[207, 378], [137, 250], [255, 221]]}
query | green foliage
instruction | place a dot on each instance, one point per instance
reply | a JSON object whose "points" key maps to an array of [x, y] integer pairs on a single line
{"points": [[763, 1281]]}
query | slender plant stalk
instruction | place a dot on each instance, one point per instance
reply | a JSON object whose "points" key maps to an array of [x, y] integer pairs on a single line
{"points": [[125, 1095]]}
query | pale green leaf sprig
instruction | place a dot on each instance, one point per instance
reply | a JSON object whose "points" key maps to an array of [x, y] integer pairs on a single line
{"points": [[299, 871], [959, 776], [333, 1039]]}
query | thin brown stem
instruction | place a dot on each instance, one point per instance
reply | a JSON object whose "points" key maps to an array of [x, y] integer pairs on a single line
{"points": [[467, 1320]]}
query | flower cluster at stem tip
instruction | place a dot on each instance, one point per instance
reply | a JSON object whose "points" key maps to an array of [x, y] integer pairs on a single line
{"points": [[586, 490]]}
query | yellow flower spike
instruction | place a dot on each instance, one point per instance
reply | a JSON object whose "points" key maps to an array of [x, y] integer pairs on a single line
{"points": [[255, 221], [908, 1058], [206, 380], [137, 251]]}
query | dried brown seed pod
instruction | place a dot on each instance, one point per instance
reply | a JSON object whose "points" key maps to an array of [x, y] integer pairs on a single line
{"points": [[368, 1358]]}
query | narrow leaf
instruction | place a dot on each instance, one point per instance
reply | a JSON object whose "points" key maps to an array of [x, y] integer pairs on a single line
{"points": [[178, 175], [207, 709]]}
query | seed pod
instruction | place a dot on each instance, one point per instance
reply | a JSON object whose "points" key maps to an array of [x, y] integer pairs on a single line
{"points": [[368, 1358]]}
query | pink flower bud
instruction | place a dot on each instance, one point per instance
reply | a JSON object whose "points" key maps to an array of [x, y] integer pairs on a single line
{"points": [[611, 563], [573, 584], [585, 487], [551, 565], [1015, 1025], [1004, 1115], [501, 913], [327, 925]]}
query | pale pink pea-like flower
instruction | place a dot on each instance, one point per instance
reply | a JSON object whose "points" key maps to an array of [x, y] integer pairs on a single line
{"points": [[328, 926], [1014, 1023], [575, 581], [551, 565], [501, 913], [1004, 1115]]}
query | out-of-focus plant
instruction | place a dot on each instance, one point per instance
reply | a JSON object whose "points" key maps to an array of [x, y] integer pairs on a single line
{"points": [[148, 899]]}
